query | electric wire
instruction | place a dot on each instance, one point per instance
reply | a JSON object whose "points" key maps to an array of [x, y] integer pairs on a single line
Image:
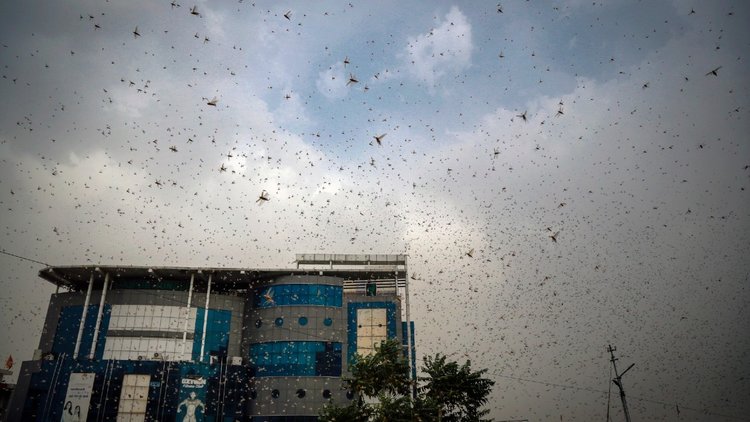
{"points": [[642, 399], [3, 251]]}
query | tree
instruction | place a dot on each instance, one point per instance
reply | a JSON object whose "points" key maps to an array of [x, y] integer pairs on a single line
{"points": [[449, 392], [352, 413], [385, 372], [459, 391]]}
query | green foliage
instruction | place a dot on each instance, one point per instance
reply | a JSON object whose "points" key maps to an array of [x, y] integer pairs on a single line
{"points": [[383, 372], [352, 413], [448, 393], [460, 392]]}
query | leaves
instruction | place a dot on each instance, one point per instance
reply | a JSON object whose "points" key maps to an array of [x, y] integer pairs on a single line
{"points": [[449, 392]]}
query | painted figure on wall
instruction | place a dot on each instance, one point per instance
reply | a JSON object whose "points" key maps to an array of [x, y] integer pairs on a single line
{"points": [[191, 405]]}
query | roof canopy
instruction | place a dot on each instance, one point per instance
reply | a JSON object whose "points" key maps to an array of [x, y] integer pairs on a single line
{"points": [[77, 277]]}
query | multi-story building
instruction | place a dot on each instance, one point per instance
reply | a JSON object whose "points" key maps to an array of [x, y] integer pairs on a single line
{"points": [[210, 344]]}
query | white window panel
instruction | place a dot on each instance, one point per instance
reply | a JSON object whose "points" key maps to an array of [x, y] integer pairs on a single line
{"points": [[378, 316], [133, 398], [364, 317], [139, 406], [364, 343], [371, 329]]}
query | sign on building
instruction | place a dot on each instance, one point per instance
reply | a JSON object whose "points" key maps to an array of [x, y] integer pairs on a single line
{"points": [[191, 407], [76, 405]]}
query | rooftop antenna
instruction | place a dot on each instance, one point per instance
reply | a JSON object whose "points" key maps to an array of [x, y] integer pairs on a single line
{"points": [[618, 380]]}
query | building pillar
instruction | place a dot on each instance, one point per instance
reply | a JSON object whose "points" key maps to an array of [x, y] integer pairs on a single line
{"points": [[99, 315], [187, 313], [83, 317], [408, 320], [205, 319]]}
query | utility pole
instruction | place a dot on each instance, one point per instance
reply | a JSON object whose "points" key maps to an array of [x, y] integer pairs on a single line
{"points": [[618, 380]]}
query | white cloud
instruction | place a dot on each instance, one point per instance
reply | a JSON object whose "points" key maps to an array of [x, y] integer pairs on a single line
{"points": [[443, 50], [332, 82]]}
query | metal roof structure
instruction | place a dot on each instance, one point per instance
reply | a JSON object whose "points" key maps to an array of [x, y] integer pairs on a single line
{"points": [[77, 277]]}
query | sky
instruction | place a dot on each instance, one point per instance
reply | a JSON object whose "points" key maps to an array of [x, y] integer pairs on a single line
{"points": [[563, 175]]}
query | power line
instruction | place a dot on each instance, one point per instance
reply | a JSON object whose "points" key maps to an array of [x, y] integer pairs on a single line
{"points": [[3, 251], [643, 399]]}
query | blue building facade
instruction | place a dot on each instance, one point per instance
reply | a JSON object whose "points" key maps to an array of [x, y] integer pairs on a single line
{"points": [[208, 344]]}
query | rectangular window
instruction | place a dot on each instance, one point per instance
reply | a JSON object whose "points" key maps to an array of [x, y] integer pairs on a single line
{"points": [[371, 330], [133, 398], [149, 318], [296, 358]]}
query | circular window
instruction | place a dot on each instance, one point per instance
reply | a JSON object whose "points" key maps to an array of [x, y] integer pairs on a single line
{"points": [[326, 394], [253, 394], [301, 393], [328, 322], [258, 323], [279, 321], [275, 393], [350, 395], [302, 320]]}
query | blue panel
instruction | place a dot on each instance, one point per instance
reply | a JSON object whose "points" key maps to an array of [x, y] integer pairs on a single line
{"points": [[351, 332], [413, 348], [299, 294], [217, 333], [67, 330], [103, 328], [296, 358], [46, 404]]}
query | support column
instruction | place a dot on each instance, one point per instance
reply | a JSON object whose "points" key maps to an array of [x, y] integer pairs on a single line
{"points": [[205, 319], [408, 320], [99, 315], [187, 313], [83, 317]]}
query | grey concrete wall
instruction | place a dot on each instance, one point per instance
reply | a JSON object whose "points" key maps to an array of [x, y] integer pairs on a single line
{"points": [[14, 411], [288, 404]]}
